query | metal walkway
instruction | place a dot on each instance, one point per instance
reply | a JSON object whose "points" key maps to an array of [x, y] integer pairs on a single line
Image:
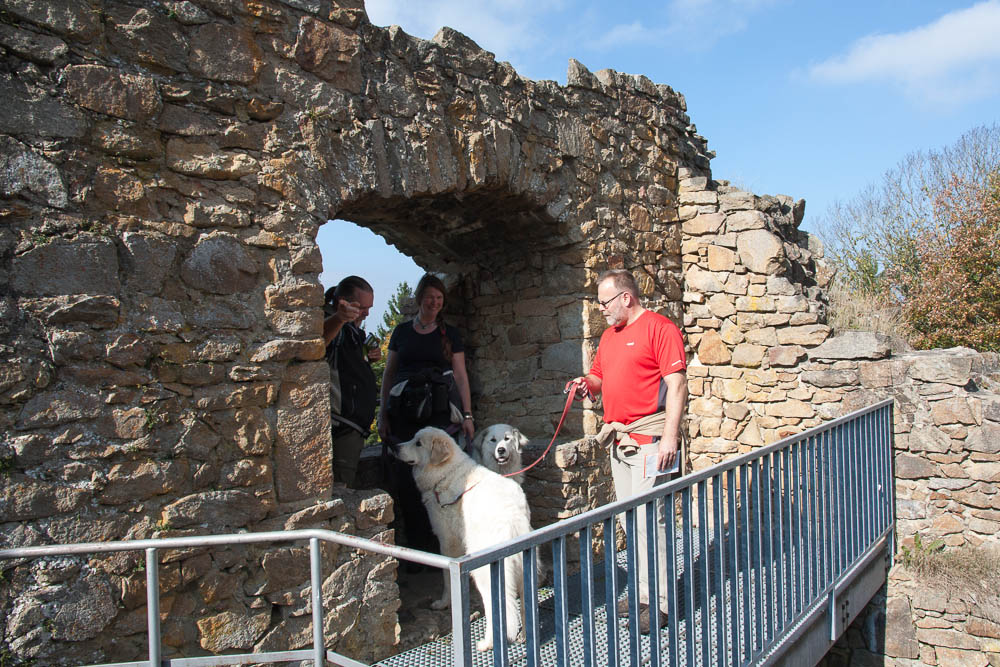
{"points": [[773, 554]]}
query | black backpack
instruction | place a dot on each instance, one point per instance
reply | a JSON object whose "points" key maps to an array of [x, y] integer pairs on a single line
{"points": [[352, 382]]}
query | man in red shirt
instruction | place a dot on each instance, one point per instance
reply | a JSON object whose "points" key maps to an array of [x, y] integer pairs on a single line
{"points": [[640, 370]]}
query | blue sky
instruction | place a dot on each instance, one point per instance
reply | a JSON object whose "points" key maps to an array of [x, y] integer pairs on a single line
{"points": [[810, 99]]}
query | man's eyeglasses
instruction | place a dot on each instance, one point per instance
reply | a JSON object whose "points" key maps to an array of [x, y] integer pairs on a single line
{"points": [[604, 304]]}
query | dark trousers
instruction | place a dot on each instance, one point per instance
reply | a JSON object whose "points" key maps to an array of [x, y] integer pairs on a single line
{"points": [[405, 494]]}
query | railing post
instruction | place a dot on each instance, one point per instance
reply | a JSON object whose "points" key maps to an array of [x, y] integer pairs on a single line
{"points": [[461, 642], [153, 606], [316, 567]]}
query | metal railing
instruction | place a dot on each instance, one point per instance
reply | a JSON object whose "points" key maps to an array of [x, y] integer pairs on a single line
{"points": [[764, 545]]}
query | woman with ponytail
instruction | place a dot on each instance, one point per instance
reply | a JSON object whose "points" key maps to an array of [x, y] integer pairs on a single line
{"points": [[425, 355]]}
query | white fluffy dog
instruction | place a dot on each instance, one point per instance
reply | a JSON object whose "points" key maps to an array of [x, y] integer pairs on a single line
{"points": [[470, 508], [499, 448]]}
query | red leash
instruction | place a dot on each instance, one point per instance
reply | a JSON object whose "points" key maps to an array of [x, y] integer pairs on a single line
{"points": [[570, 395]]}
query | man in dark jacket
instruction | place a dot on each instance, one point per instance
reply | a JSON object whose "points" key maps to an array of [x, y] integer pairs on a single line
{"points": [[352, 382]]}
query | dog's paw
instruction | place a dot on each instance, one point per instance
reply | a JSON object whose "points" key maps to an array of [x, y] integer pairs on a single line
{"points": [[438, 605], [515, 637], [484, 644]]}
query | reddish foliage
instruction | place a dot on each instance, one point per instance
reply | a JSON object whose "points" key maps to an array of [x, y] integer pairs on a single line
{"points": [[952, 297]]}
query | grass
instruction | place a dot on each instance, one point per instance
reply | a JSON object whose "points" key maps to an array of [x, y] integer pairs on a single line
{"points": [[853, 310], [972, 572]]}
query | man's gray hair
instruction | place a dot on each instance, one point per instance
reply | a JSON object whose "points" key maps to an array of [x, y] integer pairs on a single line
{"points": [[622, 279]]}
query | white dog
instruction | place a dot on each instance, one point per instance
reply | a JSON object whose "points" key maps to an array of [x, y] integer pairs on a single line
{"points": [[499, 448], [470, 508]]}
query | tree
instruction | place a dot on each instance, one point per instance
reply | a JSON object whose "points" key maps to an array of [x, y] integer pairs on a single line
{"points": [[392, 316], [394, 312], [903, 247], [954, 296], [879, 229]]}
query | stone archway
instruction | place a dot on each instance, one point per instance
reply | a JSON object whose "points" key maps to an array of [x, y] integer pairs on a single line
{"points": [[163, 173]]}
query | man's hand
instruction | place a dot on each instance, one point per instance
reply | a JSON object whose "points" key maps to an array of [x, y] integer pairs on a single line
{"points": [[348, 311], [666, 454], [579, 388]]}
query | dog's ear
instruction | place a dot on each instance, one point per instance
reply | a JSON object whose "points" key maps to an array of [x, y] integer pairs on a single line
{"points": [[520, 439], [441, 449]]}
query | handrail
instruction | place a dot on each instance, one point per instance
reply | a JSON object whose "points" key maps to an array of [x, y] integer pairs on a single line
{"points": [[768, 540], [572, 524]]}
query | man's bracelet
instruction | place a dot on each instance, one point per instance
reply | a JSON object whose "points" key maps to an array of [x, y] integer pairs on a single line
{"points": [[467, 415]]}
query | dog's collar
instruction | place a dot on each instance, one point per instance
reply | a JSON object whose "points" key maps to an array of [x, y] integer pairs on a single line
{"points": [[437, 496]]}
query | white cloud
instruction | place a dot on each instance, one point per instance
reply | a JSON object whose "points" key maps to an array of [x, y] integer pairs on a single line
{"points": [[950, 61], [695, 24]]}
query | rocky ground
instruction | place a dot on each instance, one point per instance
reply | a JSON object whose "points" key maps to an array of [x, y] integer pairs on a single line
{"points": [[419, 624]]}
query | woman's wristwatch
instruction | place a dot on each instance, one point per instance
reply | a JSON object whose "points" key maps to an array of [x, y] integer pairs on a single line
{"points": [[467, 415]]}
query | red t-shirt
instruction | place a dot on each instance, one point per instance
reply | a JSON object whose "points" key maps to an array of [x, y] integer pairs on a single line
{"points": [[632, 361]]}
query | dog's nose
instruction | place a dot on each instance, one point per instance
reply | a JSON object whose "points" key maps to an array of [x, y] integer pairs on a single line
{"points": [[501, 451]]}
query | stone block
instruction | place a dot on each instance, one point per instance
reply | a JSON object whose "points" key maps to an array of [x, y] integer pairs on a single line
{"points": [[566, 358], [114, 93], [61, 267], [789, 408], [952, 411], [721, 306], [30, 111], [218, 510], [755, 304], [844, 378], [985, 439], [302, 455], [712, 350], [900, 634], [786, 355], [58, 407], [792, 304], [65, 17], [731, 390], [224, 53], [853, 345], [780, 286], [721, 259], [148, 36], [761, 251], [331, 52], [937, 367], [705, 223], [25, 173], [928, 439], [699, 280], [953, 657], [949, 638], [706, 407], [220, 264], [875, 375], [98, 311], [984, 472], [742, 221], [808, 335], [85, 608], [231, 630], [29, 499], [205, 160], [748, 355], [138, 480], [909, 466]]}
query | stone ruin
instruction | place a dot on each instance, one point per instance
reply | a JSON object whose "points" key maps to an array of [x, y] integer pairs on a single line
{"points": [[164, 168]]}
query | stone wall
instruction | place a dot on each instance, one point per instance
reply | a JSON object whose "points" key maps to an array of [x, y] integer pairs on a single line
{"points": [[164, 168], [947, 439]]}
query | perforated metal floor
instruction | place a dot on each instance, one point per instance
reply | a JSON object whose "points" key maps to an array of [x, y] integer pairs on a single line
{"points": [[439, 652]]}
